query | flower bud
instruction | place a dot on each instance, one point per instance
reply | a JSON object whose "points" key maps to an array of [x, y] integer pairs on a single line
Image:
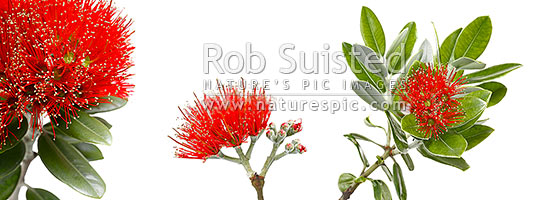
{"points": [[289, 148], [272, 126], [301, 148], [295, 126], [295, 147], [275, 136], [269, 133]]}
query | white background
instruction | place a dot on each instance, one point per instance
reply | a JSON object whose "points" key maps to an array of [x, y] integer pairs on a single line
{"points": [[510, 164]]}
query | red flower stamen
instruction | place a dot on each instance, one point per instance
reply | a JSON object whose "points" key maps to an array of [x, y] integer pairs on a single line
{"points": [[59, 56], [430, 93], [224, 120]]}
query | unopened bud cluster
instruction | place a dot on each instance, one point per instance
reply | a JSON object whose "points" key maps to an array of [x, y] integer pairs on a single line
{"points": [[295, 147], [287, 129]]}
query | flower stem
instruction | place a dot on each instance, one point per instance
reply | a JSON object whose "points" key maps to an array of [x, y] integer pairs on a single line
{"points": [[253, 140], [270, 159], [346, 194], [28, 140], [221, 155], [245, 162]]}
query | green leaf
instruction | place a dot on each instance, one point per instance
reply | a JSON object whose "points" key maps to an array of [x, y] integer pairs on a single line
{"points": [[411, 126], [401, 48], [15, 134], [481, 93], [105, 122], [491, 72], [408, 161], [399, 182], [11, 159], [372, 31], [387, 172], [398, 134], [448, 46], [459, 163], [358, 69], [39, 194], [473, 107], [381, 190], [370, 95], [352, 138], [110, 103], [69, 166], [9, 182], [86, 129], [447, 145], [474, 38], [467, 63], [498, 92], [414, 59], [476, 134], [345, 181], [90, 151]]}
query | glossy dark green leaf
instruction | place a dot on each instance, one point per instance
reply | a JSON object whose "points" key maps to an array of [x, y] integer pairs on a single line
{"points": [[399, 182], [408, 161], [398, 134], [447, 145], [359, 70], [11, 159], [16, 134], [476, 134], [381, 190], [39, 194], [68, 165], [9, 182], [474, 38], [387, 172], [369, 94], [90, 151], [86, 129], [345, 180], [498, 92], [60, 134], [491, 72], [473, 108], [410, 125], [110, 103], [372, 31], [105, 122], [467, 63], [352, 139], [448, 46], [459, 163]]}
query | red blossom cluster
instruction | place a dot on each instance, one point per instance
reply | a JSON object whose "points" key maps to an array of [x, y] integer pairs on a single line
{"points": [[430, 93], [60, 56], [223, 120]]}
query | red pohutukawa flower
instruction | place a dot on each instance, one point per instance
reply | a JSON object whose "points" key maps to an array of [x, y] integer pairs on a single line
{"points": [[431, 93], [61, 56], [223, 120]]}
